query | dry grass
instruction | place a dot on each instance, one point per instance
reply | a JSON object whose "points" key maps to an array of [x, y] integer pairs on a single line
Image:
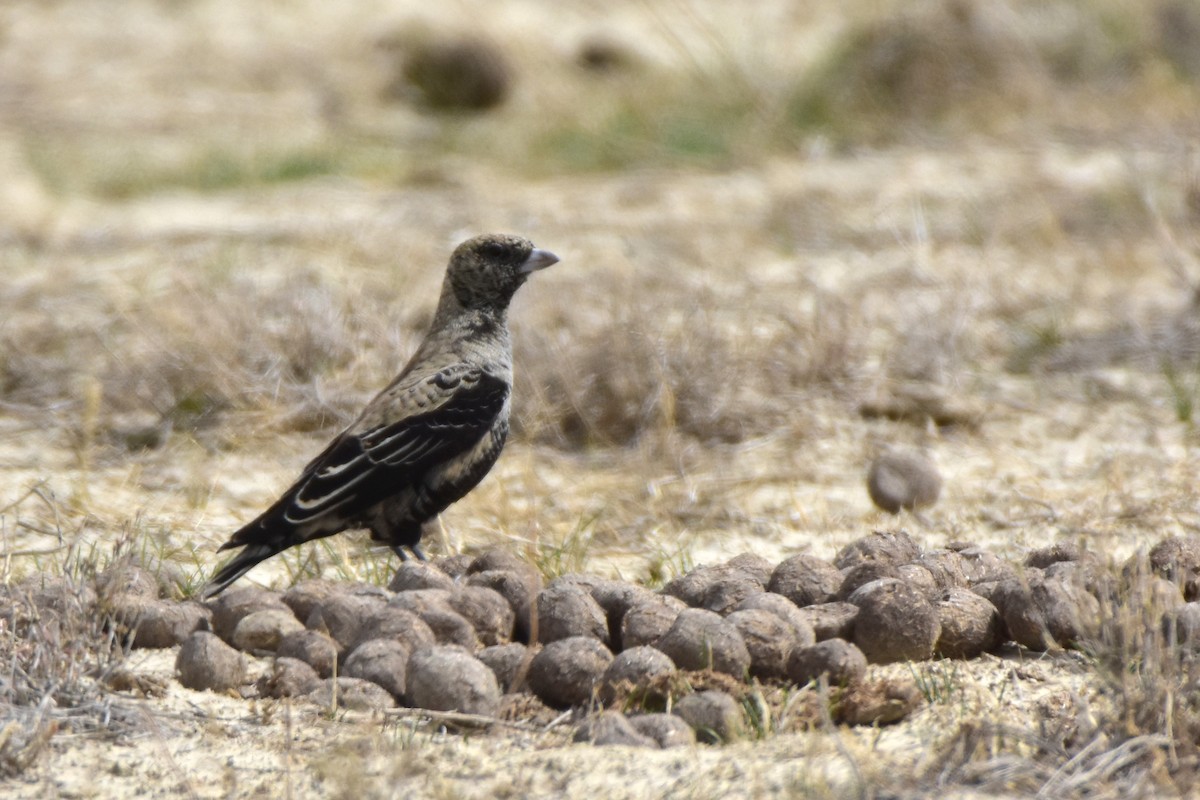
{"points": [[700, 86], [59, 660], [946, 67], [1132, 734]]}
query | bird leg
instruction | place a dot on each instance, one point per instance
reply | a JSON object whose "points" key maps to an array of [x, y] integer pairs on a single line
{"points": [[398, 549]]}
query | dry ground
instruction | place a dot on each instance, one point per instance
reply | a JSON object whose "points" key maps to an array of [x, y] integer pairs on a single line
{"points": [[216, 240]]}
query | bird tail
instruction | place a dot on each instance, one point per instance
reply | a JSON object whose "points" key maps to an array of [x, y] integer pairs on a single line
{"points": [[239, 565], [259, 540]]}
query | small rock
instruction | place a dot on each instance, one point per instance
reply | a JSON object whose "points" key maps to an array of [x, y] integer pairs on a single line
{"points": [[724, 594], [488, 612], [419, 575], [288, 677], [455, 566], [262, 631], [583, 580], [919, 578], [124, 679], [786, 610], [1043, 557], [352, 693], [418, 601], [206, 662], [448, 678], [615, 599], [1090, 573], [1072, 613], [862, 574], [715, 717], [611, 727], [1024, 622], [156, 624], [508, 662], [895, 622], [768, 639], [666, 729], [831, 620], [805, 580], [631, 674], [1045, 612], [128, 579], [981, 565], [701, 639], [754, 565], [565, 610], [894, 547], [1177, 558], [565, 672], [383, 662], [467, 74], [646, 623], [903, 479], [193, 617], [306, 595], [880, 702], [174, 582], [947, 568], [840, 661], [518, 588], [397, 624], [314, 648], [450, 627], [717, 588], [342, 617], [233, 604], [970, 625], [499, 558]]}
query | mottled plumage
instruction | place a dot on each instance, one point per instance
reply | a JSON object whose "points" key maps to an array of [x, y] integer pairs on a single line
{"points": [[424, 441]]}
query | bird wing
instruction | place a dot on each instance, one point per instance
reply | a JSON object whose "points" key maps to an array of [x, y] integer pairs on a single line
{"points": [[418, 427]]}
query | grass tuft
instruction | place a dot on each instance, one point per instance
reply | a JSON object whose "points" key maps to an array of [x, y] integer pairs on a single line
{"points": [[58, 655], [925, 65], [644, 367]]}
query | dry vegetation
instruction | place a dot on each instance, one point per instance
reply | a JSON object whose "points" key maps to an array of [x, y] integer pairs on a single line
{"points": [[791, 236]]}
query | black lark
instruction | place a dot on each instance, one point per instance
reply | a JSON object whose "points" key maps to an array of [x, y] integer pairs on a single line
{"points": [[424, 441]]}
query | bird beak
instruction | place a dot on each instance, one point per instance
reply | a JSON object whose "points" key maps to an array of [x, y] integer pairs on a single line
{"points": [[538, 259]]}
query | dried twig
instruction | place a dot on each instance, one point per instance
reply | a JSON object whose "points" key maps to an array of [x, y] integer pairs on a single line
{"points": [[464, 720], [29, 493]]}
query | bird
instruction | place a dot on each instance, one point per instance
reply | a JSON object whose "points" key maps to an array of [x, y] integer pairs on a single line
{"points": [[426, 439]]}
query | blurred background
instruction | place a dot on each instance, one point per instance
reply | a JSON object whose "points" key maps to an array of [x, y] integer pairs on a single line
{"points": [[121, 100]]}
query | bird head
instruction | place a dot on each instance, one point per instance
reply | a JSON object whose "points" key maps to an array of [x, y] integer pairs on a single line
{"points": [[487, 270]]}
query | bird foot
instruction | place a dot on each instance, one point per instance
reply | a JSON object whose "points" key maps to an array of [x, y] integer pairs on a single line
{"points": [[398, 549]]}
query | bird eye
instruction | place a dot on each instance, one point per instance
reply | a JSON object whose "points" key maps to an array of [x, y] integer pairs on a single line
{"points": [[493, 250]]}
